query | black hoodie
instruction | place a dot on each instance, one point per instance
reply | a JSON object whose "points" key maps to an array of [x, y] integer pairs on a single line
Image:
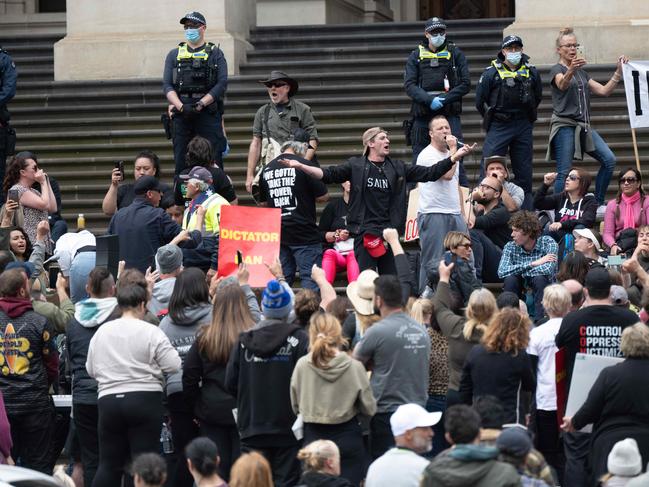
{"points": [[259, 376]]}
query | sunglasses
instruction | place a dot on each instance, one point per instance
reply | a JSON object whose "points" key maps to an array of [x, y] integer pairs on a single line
{"points": [[465, 245], [572, 177], [275, 85], [628, 180], [570, 46]]}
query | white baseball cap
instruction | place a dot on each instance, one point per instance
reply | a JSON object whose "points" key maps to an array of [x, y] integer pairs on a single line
{"points": [[411, 416], [588, 234]]}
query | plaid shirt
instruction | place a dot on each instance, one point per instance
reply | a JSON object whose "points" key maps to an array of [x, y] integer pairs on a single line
{"points": [[518, 261]]}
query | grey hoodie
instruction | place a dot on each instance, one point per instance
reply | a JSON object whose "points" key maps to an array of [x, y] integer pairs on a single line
{"points": [[182, 335], [161, 295]]}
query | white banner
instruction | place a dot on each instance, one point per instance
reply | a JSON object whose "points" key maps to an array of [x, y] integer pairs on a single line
{"points": [[636, 85]]}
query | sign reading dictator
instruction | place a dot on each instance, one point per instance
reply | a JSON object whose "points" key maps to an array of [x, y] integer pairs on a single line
{"points": [[255, 232]]}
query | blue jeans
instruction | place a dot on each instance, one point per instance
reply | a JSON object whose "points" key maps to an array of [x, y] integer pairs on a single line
{"points": [[434, 404], [302, 258], [563, 147], [486, 255], [80, 269]]}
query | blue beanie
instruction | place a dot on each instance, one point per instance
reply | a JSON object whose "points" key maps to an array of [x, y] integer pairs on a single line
{"points": [[275, 301]]}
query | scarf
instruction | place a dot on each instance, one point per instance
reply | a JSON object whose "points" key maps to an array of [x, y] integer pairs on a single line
{"points": [[629, 217]]}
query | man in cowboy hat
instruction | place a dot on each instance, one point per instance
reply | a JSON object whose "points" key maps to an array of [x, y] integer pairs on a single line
{"points": [[195, 78], [276, 121]]}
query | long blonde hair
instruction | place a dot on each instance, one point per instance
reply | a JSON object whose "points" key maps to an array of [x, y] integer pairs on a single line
{"points": [[251, 469], [420, 308], [325, 338], [479, 310]]}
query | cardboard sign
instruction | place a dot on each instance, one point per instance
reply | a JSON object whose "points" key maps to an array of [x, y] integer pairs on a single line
{"points": [[636, 86], [255, 232], [412, 230]]}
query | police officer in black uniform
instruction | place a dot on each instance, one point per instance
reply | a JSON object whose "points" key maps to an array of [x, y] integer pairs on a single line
{"points": [[436, 79], [508, 94], [7, 92], [195, 79]]}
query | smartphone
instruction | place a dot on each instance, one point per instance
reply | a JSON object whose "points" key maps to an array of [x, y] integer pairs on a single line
{"points": [[449, 257], [614, 260], [239, 257], [54, 275], [581, 52], [120, 165], [13, 195]]}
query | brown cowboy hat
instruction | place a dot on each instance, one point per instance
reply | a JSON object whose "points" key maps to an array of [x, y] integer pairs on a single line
{"points": [[281, 76]]}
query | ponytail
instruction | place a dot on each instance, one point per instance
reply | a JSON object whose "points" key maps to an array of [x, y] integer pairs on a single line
{"points": [[325, 338]]}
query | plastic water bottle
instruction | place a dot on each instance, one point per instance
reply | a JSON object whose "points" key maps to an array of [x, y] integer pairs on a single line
{"points": [[166, 439], [81, 222]]}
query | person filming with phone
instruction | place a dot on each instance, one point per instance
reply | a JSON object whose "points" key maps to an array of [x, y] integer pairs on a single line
{"points": [[570, 132]]}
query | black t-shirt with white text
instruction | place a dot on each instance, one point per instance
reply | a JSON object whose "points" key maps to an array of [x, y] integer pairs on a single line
{"points": [[595, 330], [295, 193], [377, 200]]}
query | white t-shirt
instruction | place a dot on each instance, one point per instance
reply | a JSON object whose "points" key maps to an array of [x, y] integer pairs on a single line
{"points": [[542, 345], [396, 467], [68, 245], [441, 196]]}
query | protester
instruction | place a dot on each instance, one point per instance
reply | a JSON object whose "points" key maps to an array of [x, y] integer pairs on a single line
{"points": [[169, 263], [251, 469], [127, 358], [595, 328], [321, 465], [614, 403], [637, 266], [571, 132], [77, 257], [265, 355], [361, 295], [205, 367], [467, 464], [22, 173], [329, 390], [422, 312], [90, 314], [624, 463], [30, 364], [514, 445], [121, 195], [396, 348], [529, 257], [625, 213], [189, 309], [574, 266], [401, 465], [462, 332], [307, 303], [333, 228], [542, 351], [203, 462], [588, 244], [512, 195], [148, 470], [500, 367]]}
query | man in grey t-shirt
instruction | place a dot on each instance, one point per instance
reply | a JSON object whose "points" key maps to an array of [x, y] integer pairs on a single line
{"points": [[397, 350]]}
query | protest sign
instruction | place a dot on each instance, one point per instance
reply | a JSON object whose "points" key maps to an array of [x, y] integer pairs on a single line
{"points": [[255, 232]]}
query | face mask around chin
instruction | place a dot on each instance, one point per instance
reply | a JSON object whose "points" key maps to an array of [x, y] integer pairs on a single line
{"points": [[437, 40], [514, 58], [192, 35]]}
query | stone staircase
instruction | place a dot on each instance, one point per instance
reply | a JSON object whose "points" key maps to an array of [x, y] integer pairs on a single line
{"points": [[351, 76]]}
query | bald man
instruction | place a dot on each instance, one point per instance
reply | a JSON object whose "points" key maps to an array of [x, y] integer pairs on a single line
{"points": [[576, 290], [489, 229]]}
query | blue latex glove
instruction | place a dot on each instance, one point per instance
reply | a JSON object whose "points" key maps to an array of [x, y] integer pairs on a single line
{"points": [[226, 151], [437, 103]]}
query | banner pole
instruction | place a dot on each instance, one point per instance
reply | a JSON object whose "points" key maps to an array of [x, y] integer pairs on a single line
{"points": [[635, 150]]}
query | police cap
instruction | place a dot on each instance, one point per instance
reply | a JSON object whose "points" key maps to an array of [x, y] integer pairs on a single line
{"points": [[195, 17]]}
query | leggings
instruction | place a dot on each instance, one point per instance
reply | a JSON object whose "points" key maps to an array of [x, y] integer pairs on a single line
{"points": [[334, 262], [129, 424]]}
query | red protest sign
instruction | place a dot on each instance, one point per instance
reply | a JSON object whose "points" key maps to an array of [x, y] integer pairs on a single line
{"points": [[255, 232]]}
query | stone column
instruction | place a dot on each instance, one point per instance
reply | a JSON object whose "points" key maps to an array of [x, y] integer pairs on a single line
{"points": [[130, 39], [321, 12], [605, 29]]}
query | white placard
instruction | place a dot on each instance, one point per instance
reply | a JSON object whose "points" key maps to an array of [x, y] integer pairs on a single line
{"points": [[636, 85]]}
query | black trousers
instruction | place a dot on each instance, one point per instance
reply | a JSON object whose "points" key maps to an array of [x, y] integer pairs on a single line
{"points": [[283, 462], [183, 430], [86, 422], [227, 440], [383, 265], [348, 436], [129, 424], [548, 441], [205, 124], [381, 439], [32, 436]]}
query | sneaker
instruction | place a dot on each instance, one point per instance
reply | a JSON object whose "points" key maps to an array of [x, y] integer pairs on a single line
{"points": [[601, 209]]}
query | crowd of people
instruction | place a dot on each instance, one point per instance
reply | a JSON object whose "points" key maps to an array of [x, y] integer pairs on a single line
{"points": [[420, 376]]}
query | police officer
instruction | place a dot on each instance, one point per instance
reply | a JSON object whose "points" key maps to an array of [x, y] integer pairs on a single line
{"points": [[7, 92], [436, 79], [194, 81], [508, 94]]}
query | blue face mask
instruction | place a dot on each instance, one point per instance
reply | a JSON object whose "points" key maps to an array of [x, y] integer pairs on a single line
{"points": [[514, 58], [437, 40], [192, 35]]}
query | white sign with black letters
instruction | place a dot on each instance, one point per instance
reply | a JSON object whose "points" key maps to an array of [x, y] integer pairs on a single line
{"points": [[636, 85]]}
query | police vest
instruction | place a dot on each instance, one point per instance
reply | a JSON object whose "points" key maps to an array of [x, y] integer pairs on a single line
{"points": [[434, 68], [193, 73], [514, 87]]}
